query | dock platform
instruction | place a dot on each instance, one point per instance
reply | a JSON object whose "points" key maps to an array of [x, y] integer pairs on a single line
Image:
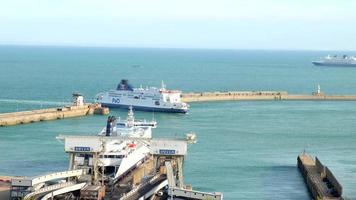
{"points": [[320, 181]]}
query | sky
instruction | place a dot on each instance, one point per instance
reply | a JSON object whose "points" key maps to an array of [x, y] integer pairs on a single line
{"points": [[222, 24]]}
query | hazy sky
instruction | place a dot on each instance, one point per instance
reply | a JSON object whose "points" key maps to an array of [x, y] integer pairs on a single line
{"points": [[240, 24]]}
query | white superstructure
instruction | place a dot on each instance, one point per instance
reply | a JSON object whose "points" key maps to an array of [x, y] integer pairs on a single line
{"points": [[117, 152], [148, 99], [129, 127], [336, 61]]}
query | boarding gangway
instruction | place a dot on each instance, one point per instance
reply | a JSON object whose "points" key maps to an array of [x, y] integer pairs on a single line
{"points": [[48, 189], [170, 174], [64, 190], [154, 184], [58, 175]]}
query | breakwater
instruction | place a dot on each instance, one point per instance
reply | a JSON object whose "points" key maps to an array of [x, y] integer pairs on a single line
{"points": [[320, 181], [262, 96], [24, 117]]}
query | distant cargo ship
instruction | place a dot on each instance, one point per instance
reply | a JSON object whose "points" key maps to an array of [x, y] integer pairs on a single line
{"points": [[148, 99], [336, 61]]}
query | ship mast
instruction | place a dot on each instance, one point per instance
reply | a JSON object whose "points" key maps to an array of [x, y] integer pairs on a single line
{"points": [[163, 86], [130, 117]]}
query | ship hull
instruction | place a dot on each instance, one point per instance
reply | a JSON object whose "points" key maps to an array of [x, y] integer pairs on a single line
{"points": [[333, 64], [145, 108]]}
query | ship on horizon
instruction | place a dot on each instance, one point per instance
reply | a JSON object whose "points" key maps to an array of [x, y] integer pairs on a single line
{"points": [[339, 61]]}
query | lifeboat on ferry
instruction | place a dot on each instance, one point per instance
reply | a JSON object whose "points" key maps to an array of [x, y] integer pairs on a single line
{"points": [[132, 146]]}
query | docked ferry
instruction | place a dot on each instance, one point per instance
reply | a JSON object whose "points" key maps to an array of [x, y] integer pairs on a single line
{"points": [[342, 61], [126, 145], [130, 127], [147, 99]]}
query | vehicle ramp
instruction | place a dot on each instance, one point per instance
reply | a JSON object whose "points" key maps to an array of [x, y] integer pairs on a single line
{"points": [[147, 187], [48, 189], [58, 175], [64, 190]]}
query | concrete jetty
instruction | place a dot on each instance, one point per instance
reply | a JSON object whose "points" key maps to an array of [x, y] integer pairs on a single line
{"points": [[320, 181], [77, 109], [262, 96]]}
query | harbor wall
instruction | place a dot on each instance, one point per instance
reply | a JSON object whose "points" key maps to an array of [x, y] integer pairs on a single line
{"points": [[24, 117], [262, 96], [321, 183]]}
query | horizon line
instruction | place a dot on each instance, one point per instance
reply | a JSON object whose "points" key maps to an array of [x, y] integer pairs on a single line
{"points": [[160, 47]]}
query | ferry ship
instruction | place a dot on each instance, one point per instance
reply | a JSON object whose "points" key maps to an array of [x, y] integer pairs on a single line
{"points": [[129, 127], [146, 99], [346, 61], [126, 145]]}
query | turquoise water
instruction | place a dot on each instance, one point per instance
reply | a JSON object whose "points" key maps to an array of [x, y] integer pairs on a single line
{"points": [[247, 150]]}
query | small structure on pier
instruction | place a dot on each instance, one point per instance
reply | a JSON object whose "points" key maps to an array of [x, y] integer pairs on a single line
{"points": [[77, 109], [20, 187], [318, 91], [78, 99]]}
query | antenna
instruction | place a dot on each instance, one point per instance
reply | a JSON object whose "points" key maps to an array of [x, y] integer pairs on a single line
{"points": [[163, 86], [318, 90]]}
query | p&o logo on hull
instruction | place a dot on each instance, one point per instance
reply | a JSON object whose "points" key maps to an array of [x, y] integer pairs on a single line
{"points": [[115, 100]]}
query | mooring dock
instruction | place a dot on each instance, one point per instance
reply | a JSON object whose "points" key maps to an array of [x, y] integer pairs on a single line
{"points": [[318, 95], [320, 181], [77, 109], [158, 176]]}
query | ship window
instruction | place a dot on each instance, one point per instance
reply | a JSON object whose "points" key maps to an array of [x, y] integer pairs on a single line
{"points": [[157, 103], [136, 97]]}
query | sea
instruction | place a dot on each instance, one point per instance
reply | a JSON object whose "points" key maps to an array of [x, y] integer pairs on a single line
{"points": [[245, 149]]}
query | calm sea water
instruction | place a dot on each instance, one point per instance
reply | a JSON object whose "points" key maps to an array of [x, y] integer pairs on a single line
{"points": [[247, 150]]}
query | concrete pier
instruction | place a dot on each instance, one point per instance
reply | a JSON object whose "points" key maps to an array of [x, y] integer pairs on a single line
{"points": [[9, 119], [262, 96], [321, 183], [77, 109]]}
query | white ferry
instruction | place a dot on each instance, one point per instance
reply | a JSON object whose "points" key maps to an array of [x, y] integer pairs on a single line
{"points": [[121, 153], [129, 127], [343, 61], [147, 99]]}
